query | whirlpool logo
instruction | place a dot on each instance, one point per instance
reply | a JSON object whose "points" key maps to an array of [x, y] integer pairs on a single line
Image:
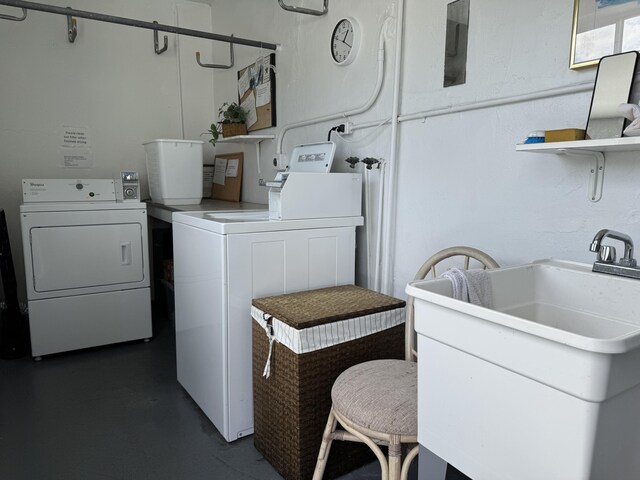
{"points": [[34, 184]]}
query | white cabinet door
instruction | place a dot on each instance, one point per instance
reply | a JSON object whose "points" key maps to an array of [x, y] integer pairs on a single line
{"points": [[69, 257], [273, 263]]}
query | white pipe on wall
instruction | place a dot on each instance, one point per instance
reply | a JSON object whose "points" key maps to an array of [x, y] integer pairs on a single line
{"points": [[381, 166], [334, 116], [494, 102], [388, 221], [497, 102], [367, 225]]}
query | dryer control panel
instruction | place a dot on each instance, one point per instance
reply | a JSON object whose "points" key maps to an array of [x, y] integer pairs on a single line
{"points": [[36, 190], [128, 187]]}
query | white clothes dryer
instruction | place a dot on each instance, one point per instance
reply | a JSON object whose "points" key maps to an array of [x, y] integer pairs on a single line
{"points": [[86, 264]]}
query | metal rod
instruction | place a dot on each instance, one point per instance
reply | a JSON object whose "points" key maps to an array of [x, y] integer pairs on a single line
{"points": [[137, 23]]}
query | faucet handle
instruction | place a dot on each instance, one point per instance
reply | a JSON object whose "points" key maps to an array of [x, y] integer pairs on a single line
{"points": [[607, 254], [631, 262]]}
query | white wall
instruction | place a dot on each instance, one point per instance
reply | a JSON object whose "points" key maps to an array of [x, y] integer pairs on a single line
{"points": [[460, 180], [109, 82]]}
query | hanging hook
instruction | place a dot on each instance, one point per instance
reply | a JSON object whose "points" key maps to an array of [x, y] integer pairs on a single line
{"points": [[214, 65], [306, 11], [155, 42], [72, 27], [15, 19]]}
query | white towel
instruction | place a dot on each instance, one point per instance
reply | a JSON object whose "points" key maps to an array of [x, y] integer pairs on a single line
{"points": [[471, 286]]}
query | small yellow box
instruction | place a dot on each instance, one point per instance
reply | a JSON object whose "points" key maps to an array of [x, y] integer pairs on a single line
{"points": [[564, 135]]}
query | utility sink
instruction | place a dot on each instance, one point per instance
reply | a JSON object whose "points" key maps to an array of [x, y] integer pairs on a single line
{"points": [[545, 385]]}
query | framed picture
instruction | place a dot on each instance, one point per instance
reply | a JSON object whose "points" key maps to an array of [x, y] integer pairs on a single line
{"points": [[603, 27]]}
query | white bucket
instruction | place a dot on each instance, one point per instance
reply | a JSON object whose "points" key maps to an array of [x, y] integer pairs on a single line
{"points": [[174, 170]]}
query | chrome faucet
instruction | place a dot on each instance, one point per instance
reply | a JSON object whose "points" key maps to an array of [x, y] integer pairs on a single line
{"points": [[606, 261]]}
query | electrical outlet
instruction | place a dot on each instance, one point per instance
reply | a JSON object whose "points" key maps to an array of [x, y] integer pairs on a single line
{"points": [[348, 128]]}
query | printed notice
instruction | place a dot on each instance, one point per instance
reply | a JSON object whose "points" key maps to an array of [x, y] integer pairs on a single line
{"points": [[263, 94], [243, 83], [232, 167], [75, 148], [76, 158], [220, 171], [249, 106], [73, 137]]}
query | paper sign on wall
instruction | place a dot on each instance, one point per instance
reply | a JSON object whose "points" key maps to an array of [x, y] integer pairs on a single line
{"points": [[232, 167], [75, 147]]}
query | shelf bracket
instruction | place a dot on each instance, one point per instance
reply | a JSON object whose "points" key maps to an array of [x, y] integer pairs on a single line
{"points": [[596, 173]]}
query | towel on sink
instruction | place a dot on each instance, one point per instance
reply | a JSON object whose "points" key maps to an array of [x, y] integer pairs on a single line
{"points": [[471, 286]]}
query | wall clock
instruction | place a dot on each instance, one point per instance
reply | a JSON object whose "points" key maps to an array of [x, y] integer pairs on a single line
{"points": [[345, 41]]}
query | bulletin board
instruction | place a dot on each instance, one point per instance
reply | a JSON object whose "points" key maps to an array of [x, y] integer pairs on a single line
{"points": [[257, 92], [227, 177]]}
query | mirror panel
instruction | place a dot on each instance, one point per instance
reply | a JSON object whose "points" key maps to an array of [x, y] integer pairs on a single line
{"points": [[455, 54], [611, 88]]}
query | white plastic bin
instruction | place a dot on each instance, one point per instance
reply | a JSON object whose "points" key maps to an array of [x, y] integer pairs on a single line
{"points": [[174, 170]]}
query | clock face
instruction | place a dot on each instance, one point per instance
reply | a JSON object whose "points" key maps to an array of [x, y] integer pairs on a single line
{"points": [[343, 42]]}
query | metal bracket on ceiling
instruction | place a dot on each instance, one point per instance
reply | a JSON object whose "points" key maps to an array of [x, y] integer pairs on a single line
{"points": [[15, 19], [156, 43], [306, 11], [215, 65], [72, 27]]}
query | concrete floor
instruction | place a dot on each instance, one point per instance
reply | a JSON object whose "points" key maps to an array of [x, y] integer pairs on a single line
{"points": [[116, 412]]}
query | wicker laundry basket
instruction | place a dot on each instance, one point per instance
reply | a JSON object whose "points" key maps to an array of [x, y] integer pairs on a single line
{"points": [[317, 335]]}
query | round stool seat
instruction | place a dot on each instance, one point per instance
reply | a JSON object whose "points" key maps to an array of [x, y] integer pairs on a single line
{"points": [[380, 395]]}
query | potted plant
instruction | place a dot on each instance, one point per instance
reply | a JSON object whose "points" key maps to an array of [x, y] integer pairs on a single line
{"points": [[231, 122]]}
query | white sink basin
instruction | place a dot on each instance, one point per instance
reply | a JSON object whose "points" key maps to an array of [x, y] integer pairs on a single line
{"points": [[544, 385]]}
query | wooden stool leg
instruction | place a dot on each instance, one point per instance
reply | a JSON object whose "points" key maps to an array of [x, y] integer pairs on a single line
{"points": [[395, 458], [325, 447]]}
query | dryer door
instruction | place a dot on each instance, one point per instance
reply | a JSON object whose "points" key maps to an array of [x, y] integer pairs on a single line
{"points": [[79, 256]]}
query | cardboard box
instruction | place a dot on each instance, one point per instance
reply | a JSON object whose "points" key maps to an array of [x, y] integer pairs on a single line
{"points": [[564, 135]]}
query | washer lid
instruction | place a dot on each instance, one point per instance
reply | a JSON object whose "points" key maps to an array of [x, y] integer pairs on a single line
{"points": [[251, 222]]}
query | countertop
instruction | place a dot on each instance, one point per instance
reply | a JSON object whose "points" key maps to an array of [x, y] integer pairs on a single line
{"points": [[164, 212]]}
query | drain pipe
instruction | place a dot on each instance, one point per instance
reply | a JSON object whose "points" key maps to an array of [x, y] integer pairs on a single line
{"points": [[380, 219], [388, 243], [280, 160]]}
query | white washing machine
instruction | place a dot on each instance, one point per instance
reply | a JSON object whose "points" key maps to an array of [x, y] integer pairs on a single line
{"points": [[86, 263], [221, 262]]}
